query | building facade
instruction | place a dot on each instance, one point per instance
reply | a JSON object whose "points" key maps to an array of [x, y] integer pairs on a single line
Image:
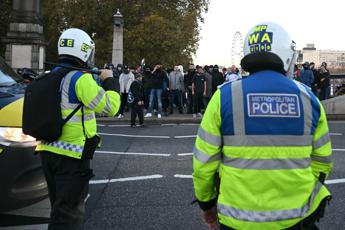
{"points": [[333, 58]]}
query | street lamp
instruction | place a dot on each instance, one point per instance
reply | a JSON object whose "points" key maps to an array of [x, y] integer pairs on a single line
{"points": [[118, 19]]}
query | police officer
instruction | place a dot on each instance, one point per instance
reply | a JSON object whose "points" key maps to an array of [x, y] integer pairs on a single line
{"points": [[66, 161], [268, 137]]}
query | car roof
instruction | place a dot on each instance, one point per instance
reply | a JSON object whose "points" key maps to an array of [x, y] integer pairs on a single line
{"points": [[4, 67]]}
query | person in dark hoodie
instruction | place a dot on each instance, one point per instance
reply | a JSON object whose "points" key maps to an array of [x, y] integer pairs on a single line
{"points": [[147, 84], [325, 88], [136, 100], [157, 88], [217, 78], [188, 80]]}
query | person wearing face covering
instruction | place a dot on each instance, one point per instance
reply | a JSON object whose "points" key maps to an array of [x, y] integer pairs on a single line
{"points": [[126, 79]]}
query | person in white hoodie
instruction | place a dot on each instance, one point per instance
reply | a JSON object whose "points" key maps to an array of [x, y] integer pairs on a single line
{"points": [[125, 80]]}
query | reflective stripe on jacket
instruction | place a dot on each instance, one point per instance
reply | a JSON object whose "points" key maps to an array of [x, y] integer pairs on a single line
{"points": [[268, 136], [79, 87]]}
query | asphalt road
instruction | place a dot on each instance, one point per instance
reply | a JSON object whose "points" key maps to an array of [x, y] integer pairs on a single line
{"points": [[143, 181]]}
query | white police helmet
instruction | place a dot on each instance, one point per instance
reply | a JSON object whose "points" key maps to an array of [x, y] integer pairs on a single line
{"points": [[268, 45], [78, 44]]}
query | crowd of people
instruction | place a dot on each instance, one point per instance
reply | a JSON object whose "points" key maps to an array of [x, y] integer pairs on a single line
{"points": [[161, 90], [317, 79]]}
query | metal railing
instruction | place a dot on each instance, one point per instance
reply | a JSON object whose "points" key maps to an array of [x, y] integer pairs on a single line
{"points": [[337, 82]]}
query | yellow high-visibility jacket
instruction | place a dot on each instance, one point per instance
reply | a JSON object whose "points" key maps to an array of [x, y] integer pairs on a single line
{"points": [[79, 87], [268, 137]]}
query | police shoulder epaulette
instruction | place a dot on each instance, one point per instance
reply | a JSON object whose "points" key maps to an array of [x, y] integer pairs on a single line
{"points": [[302, 84], [224, 84]]}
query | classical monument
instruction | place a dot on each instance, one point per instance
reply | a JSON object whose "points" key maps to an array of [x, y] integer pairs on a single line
{"points": [[117, 54], [25, 44]]}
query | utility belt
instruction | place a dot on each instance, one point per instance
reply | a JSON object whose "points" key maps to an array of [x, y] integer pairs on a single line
{"points": [[90, 143], [90, 147]]}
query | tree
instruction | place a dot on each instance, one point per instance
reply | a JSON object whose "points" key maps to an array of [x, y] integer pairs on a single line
{"points": [[5, 6], [165, 31]]}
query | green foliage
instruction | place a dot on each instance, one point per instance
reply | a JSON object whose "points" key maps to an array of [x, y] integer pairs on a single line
{"points": [[165, 31], [5, 10]]}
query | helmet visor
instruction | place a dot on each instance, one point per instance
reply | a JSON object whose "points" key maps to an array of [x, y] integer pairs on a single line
{"points": [[91, 61]]}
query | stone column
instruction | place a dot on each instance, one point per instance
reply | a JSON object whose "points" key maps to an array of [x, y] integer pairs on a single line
{"points": [[117, 54], [25, 44]]}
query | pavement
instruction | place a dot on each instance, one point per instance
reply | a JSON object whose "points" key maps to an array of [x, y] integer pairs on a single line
{"points": [[175, 118]]}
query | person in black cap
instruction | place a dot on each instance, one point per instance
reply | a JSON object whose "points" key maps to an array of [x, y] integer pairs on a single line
{"points": [[136, 100]]}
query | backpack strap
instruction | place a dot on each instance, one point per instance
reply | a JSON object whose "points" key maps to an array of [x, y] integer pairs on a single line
{"points": [[64, 71], [72, 114]]}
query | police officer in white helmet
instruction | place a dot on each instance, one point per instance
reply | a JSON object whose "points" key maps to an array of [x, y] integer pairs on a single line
{"points": [[269, 138], [66, 161]]}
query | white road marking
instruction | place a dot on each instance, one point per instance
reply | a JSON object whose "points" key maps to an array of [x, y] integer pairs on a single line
{"points": [[168, 124], [27, 227], [138, 154], [183, 176], [335, 134], [189, 124], [189, 136], [339, 150], [137, 136], [118, 125], [101, 125], [157, 176], [335, 181], [185, 154]]}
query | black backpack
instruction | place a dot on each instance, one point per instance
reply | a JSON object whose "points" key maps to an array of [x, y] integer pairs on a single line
{"points": [[42, 117]]}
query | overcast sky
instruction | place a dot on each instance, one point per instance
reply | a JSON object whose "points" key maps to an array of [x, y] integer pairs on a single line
{"points": [[307, 21]]}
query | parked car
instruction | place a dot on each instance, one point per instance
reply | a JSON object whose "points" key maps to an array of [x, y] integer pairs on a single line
{"points": [[21, 176]]}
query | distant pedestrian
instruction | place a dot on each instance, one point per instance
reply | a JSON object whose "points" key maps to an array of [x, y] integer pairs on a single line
{"points": [[198, 91], [156, 91], [232, 74], [126, 79], [175, 89], [136, 100], [307, 76], [315, 87], [147, 84], [325, 89], [208, 78], [217, 78], [188, 80]]}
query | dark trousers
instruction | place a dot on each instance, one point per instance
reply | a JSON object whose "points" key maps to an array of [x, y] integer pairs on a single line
{"points": [[198, 102], [147, 98], [137, 110], [123, 103], [67, 179], [175, 96], [189, 100], [324, 93]]}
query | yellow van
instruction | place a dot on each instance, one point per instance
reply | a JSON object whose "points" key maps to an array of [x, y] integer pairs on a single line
{"points": [[21, 176]]}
